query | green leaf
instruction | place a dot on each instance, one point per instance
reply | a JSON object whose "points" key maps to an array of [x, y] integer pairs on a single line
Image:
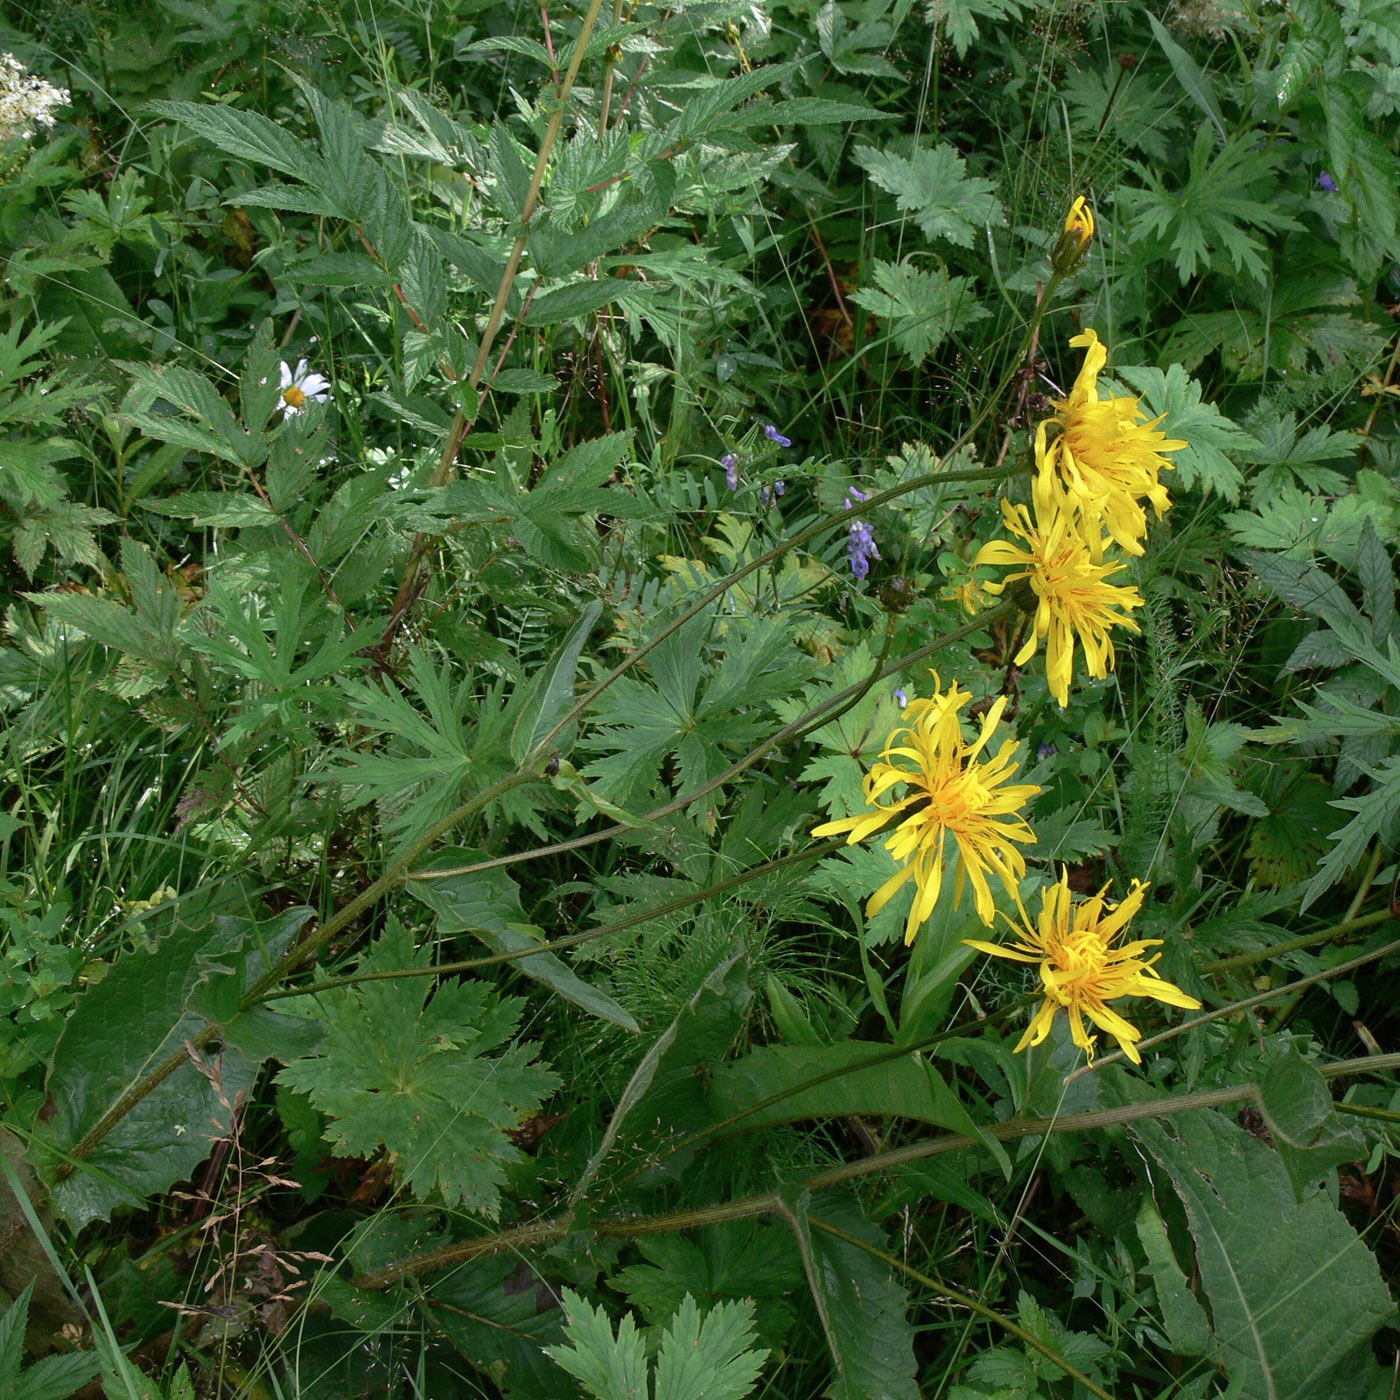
{"points": [[248, 135], [146, 1008], [934, 186], [1375, 816], [487, 904], [959, 18], [1295, 1295], [1184, 1318], [710, 1360], [1209, 435], [859, 1078], [51, 1377], [551, 690], [1223, 196], [608, 1367], [1193, 79], [923, 308], [405, 1067], [866, 1307], [728, 1261], [1308, 1136], [579, 299]]}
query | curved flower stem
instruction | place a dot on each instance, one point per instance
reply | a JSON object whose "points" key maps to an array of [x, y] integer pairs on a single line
{"points": [[966, 1300], [549, 1231], [294, 958]]}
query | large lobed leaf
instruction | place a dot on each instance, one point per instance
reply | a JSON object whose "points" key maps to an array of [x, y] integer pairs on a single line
{"points": [[1295, 1295], [405, 1067]]}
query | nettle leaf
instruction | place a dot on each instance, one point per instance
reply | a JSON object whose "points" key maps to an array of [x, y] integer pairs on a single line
{"points": [[405, 1067], [1204, 463], [933, 185], [49, 1378], [923, 308], [1295, 1295], [709, 1359]]}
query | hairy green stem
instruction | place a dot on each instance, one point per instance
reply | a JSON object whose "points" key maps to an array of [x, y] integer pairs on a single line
{"points": [[819, 714], [548, 1232], [1293, 945]]}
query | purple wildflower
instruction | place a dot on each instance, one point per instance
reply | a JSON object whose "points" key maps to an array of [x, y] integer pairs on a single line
{"points": [[1326, 182], [860, 548], [1045, 750], [779, 488], [730, 463], [773, 435], [901, 698]]}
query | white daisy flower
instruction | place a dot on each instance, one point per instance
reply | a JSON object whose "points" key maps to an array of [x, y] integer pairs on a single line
{"points": [[299, 386]]}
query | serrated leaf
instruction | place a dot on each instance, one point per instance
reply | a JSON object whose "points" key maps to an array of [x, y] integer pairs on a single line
{"points": [[1209, 435], [713, 1359], [1376, 814], [248, 135], [866, 1307], [1185, 1319], [960, 18], [933, 186], [1295, 1295], [922, 308], [551, 690], [405, 1067], [608, 1367], [1193, 79], [859, 1078]]}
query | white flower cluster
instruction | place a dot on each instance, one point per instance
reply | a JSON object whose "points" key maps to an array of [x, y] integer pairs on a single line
{"points": [[26, 101]]}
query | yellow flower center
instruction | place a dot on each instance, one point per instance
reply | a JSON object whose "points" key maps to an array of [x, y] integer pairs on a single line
{"points": [[293, 396]]}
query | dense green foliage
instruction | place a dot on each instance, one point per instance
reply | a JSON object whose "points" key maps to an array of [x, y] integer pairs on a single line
{"points": [[615, 321]]}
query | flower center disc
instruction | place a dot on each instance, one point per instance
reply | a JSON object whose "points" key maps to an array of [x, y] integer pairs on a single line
{"points": [[293, 396]]}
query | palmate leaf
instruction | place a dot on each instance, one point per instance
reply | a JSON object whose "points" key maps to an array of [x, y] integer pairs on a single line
{"points": [[1377, 814], [922, 308], [1294, 1293], [737, 1259], [933, 186], [1209, 435], [698, 719], [1222, 208], [700, 1359], [405, 1067]]}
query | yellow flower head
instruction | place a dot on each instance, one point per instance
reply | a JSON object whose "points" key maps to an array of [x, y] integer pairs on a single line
{"points": [[1071, 588], [946, 793], [1079, 223], [1072, 247], [1101, 456], [1081, 970]]}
